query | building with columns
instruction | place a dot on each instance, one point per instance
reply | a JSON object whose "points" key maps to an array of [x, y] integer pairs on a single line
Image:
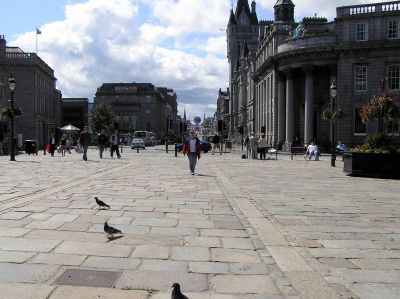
{"points": [[281, 71]]}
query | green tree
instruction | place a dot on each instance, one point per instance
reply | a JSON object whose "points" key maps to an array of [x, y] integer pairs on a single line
{"points": [[102, 118]]}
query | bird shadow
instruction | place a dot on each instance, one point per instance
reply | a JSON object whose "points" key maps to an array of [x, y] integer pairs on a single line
{"points": [[113, 238]]}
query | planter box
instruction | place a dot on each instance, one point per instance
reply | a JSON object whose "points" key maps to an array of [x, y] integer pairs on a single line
{"points": [[372, 165]]}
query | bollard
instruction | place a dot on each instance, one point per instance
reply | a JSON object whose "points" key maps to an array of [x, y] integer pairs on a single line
{"points": [[137, 150], [176, 150]]}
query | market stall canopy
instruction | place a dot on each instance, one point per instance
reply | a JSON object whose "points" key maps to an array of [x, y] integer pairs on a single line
{"points": [[69, 128]]}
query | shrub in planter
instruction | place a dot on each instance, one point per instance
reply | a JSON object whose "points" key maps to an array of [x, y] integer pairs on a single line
{"points": [[377, 156]]}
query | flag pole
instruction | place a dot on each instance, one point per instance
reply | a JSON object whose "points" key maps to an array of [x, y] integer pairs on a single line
{"points": [[37, 33]]}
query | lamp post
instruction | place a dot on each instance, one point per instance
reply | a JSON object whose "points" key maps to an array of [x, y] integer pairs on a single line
{"points": [[333, 93], [11, 87]]}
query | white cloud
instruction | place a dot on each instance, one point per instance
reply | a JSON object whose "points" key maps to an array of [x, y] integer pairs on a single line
{"points": [[103, 41], [180, 44]]}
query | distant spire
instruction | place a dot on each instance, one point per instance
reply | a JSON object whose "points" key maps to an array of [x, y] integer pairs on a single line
{"points": [[204, 117], [184, 114]]}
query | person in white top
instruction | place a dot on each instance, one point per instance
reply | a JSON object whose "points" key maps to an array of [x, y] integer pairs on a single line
{"points": [[312, 150], [114, 141], [262, 144]]}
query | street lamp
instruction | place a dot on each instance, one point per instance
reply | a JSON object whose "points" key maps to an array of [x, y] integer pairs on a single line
{"points": [[11, 87], [333, 92]]}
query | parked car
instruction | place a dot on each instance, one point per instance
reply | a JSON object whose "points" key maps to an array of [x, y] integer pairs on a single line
{"points": [[138, 143], [205, 146]]}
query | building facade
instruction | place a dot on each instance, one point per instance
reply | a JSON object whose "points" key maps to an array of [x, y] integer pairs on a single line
{"points": [[35, 94], [75, 112], [282, 84], [139, 106]]}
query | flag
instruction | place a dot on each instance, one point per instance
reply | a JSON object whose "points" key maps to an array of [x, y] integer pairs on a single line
{"points": [[38, 31]]}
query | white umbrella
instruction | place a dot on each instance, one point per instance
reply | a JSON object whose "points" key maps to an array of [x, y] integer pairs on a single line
{"points": [[69, 128]]}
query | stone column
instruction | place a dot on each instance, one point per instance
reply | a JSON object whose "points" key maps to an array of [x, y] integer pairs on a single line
{"points": [[289, 107], [308, 106], [281, 109]]}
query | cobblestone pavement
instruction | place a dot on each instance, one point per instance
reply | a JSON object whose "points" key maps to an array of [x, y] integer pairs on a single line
{"points": [[237, 229]]}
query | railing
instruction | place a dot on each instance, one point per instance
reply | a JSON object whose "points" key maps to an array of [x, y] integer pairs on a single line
{"points": [[368, 9], [26, 59]]}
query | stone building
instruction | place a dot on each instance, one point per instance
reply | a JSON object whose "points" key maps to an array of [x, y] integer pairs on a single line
{"points": [[139, 106], [281, 83], [35, 94], [222, 112]]}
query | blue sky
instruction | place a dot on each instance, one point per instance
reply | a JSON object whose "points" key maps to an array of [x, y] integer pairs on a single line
{"points": [[172, 43]]}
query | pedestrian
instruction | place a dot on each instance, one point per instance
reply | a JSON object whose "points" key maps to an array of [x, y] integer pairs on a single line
{"points": [[102, 141], [312, 150], [216, 141], [253, 141], [262, 145], [192, 148], [84, 141], [246, 141], [52, 144], [63, 144], [114, 141], [68, 144]]}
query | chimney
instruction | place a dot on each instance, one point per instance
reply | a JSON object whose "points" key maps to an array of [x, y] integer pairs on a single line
{"points": [[3, 45], [253, 7]]}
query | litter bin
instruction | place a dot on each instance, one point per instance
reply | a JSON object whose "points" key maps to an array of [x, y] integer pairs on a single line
{"points": [[30, 147]]}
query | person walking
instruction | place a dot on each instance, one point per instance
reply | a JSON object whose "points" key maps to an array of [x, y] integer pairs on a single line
{"points": [[262, 144], [63, 144], [216, 141], [192, 148], [253, 146], [102, 141], [68, 144], [52, 144], [84, 141], [114, 140]]}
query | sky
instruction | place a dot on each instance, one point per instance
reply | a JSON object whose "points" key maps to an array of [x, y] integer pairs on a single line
{"points": [[179, 44]]}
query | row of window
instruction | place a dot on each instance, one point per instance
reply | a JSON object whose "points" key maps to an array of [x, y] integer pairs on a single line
{"points": [[361, 77], [393, 30]]}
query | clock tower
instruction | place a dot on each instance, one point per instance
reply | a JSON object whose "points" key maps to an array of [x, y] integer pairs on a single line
{"points": [[242, 29]]}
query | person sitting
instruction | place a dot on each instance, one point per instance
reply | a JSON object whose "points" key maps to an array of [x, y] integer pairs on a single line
{"points": [[340, 148], [312, 150]]}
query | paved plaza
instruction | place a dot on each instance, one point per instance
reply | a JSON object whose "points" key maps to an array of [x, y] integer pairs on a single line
{"points": [[237, 229]]}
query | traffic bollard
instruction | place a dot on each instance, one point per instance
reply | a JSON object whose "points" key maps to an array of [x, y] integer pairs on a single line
{"points": [[176, 150]]}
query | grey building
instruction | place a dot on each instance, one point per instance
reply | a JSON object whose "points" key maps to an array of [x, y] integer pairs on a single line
{"points": [[139, 106], [283, 83], [222, 112], [35, 94]]}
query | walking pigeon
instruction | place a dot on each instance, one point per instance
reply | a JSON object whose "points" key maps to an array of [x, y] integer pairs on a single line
{"points": [[176, 292], [111, 230], [101, 203]]}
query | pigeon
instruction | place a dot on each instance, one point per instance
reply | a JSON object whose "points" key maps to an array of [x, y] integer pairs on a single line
{"points": [[111, 230], [101, 203], [176, 292]]}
